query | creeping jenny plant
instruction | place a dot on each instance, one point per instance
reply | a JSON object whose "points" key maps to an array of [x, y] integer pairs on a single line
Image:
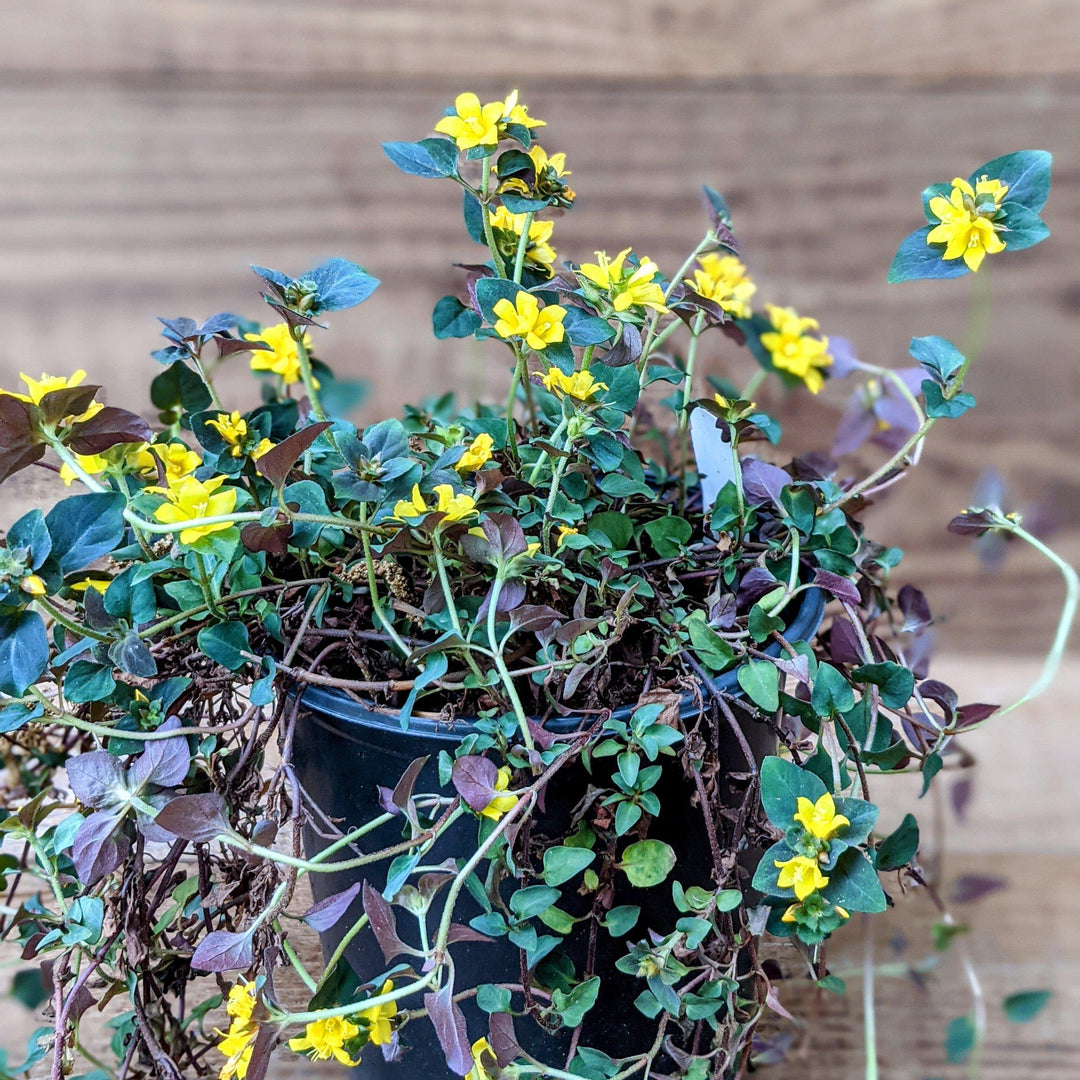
{"points": [[603, 547]]}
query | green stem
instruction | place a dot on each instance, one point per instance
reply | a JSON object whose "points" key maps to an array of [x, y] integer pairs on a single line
{"points": [[368, 1003], [203, 578], [298, 967], [339, 952], [1065, 622], [163, 528], [869, 1020], [586, 357], [444, 581], [65, 620], [979, 311], [500, 666], [688, 384], [522, 245], [485, 183], [306, 376], [66, 456], [208, 383], [515, 380], [544, 454], [753, 383], [896, 460], [373, 593]]}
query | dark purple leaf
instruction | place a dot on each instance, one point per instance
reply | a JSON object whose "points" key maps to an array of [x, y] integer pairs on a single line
{"points": [[276, 464], [273, 539], [914, 607], [474, 779], [503, 1040], [67, 401], [754, 585], [839, 586], [458, 932], [449, 1023], [383, 925], [626, 350], [198, 818], [844, 644], [511, 593], [762, 481], [229, 345], [97, 778], [223, 950], [971, 523], [20, 444], [972, 887], [99, 847], [535, 617], [504, 535], [403, 790], [329, 911], [164, 762], [107, 428], [262, 1052], [967, 715], [960, 795], [945, 696]]}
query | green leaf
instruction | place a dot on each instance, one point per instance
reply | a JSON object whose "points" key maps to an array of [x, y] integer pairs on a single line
{"points": [[24, 651], [647, 863], [782, 785], [930, 768], [584, 329], [767, 872], [85, 527], [13, 716], [711, 649], [832, 693], [760, 680], [1025, 1006], [619, 921], [899, 847], [937, 356], [618, 528], [917, 259], [489, 291], [492, 998], [1023, 227], [178, 387], [225, 643], [668, 535], [761, 624], [341, 284], [939, 406], [896, 683], [429, 158], [87, 681], [452, 319], [573, 1006], [533, 899], [862, 816], [728, 900], [853, 884], [959, 1040], [1027, 172], [563, 863]]}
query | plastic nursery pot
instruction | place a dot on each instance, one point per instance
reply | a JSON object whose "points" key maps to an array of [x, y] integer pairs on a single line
{"points": [[343, 751]]}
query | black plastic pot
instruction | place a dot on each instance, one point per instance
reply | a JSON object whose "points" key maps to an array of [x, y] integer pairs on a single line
{"points": [[343, 751]]}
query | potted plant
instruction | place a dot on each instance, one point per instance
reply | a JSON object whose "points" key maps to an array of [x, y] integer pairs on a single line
{"points": [[536, 695]]}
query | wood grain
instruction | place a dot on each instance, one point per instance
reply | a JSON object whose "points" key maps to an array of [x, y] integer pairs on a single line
{"points": [[353, 42]]}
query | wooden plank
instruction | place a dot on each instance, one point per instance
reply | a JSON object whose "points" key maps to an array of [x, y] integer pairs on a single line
{"points": [[330, 42], [122, 204]]}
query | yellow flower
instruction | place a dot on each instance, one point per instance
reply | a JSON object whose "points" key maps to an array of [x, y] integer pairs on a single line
{"points": [[820, 819], [237, 1046], [563, 532], [232, 427], [476, 454], [722, 279], [92, 464], [283, 358], [580, 385], [789, 914], [627, 286], [550, 178], [32, 585], [538, 252], [325, 1039], [793, 350], [455, 507], [513, 113], [500, 804], [473, 124], [190, 500], [100, 584], [378, 1017], [241, 1001], [178, 460], [481, 1050], [801, 874], [966, 220], [38, 388], [524, 318]]}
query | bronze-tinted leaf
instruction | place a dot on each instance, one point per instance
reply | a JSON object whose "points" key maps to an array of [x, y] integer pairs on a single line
{"points": [[329, 911], [449, 1022], [108, 428], [68, 401], [223, 950], [474, 779], [839, 586], [276, 464], [199, 818], [273, 539], [20, 442], [229, 345], [383, 925], [503, 1040]]}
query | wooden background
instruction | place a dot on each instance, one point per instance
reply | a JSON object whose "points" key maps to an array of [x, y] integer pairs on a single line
{"points": [[152, 150]]}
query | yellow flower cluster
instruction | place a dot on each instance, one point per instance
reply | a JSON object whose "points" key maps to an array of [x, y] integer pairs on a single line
{"points": [[723, 280], [232, 427], [473, 124], [793, 350], [477, 454], [524, 318], [454, 507], [803, 873], [38, 388], [324, 1040], [966, 220], [538, 251], [580, 385], [283, 356], [627, 286], [239, 1041]]}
